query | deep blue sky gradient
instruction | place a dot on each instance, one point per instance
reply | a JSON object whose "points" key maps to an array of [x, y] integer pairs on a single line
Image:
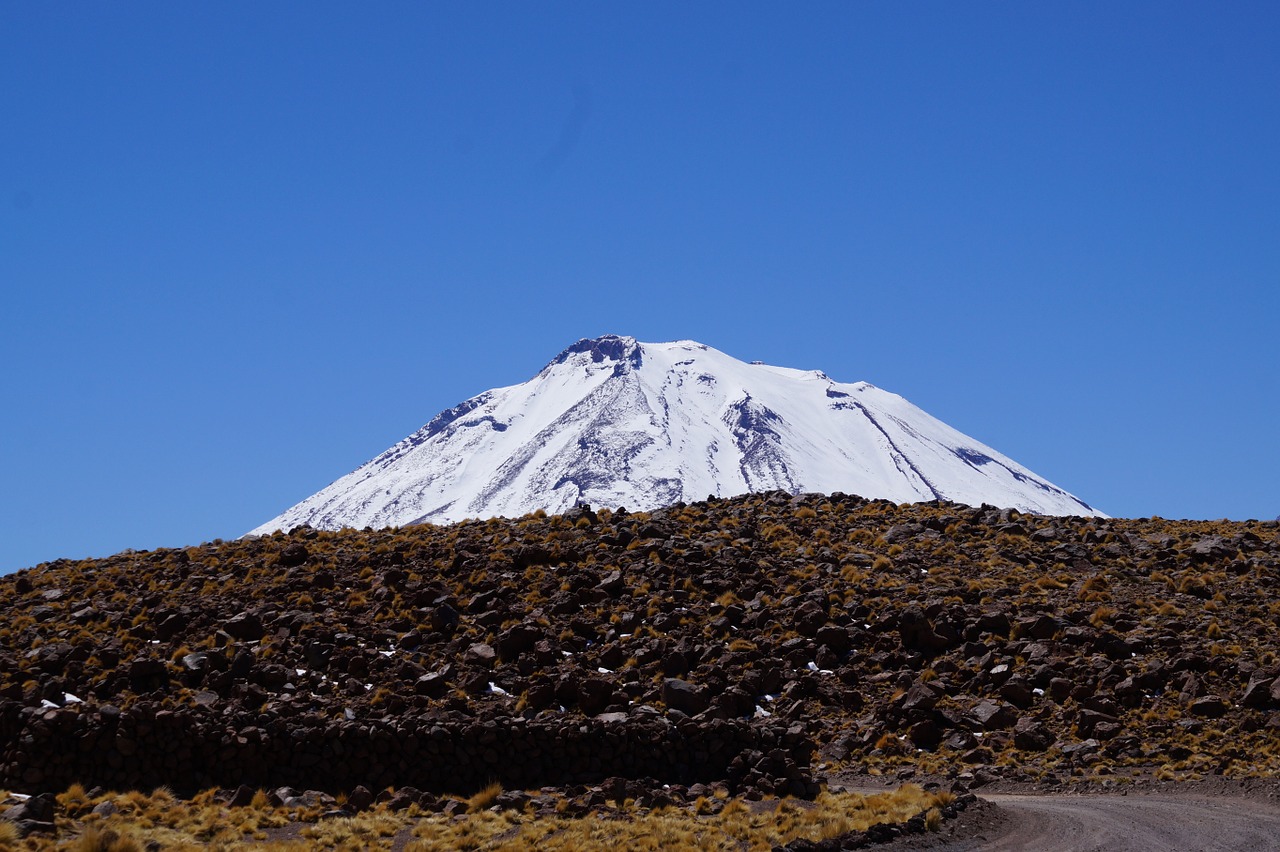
{"points": [[245, 247]]}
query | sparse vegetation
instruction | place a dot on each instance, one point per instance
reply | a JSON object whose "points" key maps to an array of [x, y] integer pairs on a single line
{"points": [[159, 820], [734, 825], [927, 637], [485, 798]]}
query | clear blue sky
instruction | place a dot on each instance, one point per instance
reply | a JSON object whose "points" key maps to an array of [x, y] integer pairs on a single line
{"points": [[245, 247]]}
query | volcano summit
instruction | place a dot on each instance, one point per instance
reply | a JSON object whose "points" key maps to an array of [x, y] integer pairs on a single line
{"points": [[614, 422]]}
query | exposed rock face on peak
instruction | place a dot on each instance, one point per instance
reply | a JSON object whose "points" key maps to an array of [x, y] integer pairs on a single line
{"points": [[623, 350], [615, 422]]}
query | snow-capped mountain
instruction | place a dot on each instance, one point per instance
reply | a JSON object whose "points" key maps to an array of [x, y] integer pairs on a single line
{"points": [[613, 422]]}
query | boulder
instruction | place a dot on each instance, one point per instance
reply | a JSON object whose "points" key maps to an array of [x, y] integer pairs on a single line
{"points": [[516, 641], [432, 685], [917, 632], [480, 654], [293, 555], [1046, 627], [37, 809], [1060, 689], [360, 799], [1209, 706], [1258, 692], [925, 734], [919, 697], [1081, 749], [1031, 735], [833, 637], [245, 626], [684, 696], [808, 619], [443, 618], [992, 715], [242, 797], [595, 694], [612, 584], [1128, 692], [1212, 547], [147, 667], [1017, 692], [195, 662], [1087, 720]]}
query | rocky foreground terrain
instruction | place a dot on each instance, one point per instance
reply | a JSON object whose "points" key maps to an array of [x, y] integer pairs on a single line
{"points": [[761, 644]]}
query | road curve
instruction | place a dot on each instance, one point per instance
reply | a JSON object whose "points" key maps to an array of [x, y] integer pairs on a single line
{"points": [[1133, 823]]}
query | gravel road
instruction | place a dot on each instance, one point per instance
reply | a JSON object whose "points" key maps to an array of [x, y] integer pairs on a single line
{"points": [[1134, 823]]}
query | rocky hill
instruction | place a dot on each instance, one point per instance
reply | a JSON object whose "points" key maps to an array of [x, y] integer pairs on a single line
{"points": [[753, 640]]}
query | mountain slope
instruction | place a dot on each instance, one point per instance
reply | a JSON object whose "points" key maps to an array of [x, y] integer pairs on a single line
{"points": [[613, 422]]}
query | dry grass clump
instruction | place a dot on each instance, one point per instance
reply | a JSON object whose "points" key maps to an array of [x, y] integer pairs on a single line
{"points": [[485, 798], [737, 826], [98, 839], [9, 837]]}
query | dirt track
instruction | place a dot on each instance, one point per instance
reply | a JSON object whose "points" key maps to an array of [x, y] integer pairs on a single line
{"points": [[1133, 823]]}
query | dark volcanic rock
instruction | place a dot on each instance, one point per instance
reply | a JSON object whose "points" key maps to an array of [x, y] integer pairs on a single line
{"points": [[245, 626], [480, 654], [42, 809], [1212, 706], [1257, 693], [293, 555], [432, 684], [918, 632], [147, 667], [919, 697], [1030, 735], [516, 641], [684, 696], [992, 715]]}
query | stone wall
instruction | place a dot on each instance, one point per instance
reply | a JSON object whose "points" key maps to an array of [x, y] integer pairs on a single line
{"points": [[142, 748]]}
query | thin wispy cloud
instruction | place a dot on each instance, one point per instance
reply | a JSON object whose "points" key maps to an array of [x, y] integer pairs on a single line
{"points": [[570, 130]]}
